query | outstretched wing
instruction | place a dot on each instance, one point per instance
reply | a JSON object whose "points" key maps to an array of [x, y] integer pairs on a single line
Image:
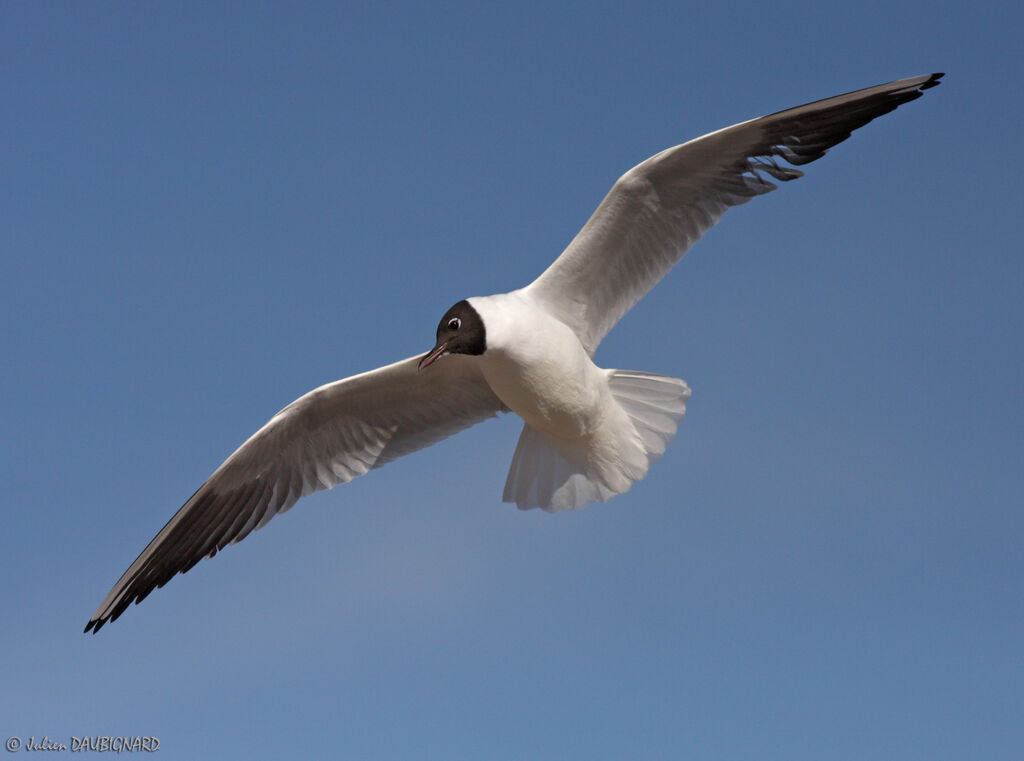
{"points": [[661, 207], [325, 438]]}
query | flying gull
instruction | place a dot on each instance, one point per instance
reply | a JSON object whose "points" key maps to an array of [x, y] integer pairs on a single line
{"points": [[588, 433]]}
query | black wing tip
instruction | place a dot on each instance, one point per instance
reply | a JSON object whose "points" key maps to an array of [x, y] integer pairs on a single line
{"points": [[94, 625], [931, 81], [913, 92]]}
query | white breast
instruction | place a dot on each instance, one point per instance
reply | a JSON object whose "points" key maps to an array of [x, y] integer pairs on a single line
{"points": [[537, 366]]}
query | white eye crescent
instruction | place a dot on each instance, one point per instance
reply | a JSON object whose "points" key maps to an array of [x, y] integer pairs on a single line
{"points": [[454, 323]]}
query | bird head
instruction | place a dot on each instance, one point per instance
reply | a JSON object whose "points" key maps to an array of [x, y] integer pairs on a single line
{"points": [[461, 331]]}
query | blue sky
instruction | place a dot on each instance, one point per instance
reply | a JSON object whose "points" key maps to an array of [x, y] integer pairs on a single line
{"points": [[210, 208]]}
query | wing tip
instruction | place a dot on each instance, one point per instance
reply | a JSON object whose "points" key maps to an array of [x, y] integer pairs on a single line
{"points": [[94, 625], [101, 617]]}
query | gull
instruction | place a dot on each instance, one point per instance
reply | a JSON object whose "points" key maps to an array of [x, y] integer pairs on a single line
{"points": [[588, 433]]}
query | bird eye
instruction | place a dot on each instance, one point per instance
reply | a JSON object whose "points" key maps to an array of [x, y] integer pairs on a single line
{"points": [[454, 323]]}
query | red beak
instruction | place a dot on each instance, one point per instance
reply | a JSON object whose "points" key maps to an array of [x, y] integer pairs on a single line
{"points": [[436, 353]]}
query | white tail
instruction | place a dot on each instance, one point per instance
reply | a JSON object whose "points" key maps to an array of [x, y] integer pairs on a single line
{"points": [[655, 404], [540, 476]]}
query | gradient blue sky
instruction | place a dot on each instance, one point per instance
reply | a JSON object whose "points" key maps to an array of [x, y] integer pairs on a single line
{"points": [[210, 208]]}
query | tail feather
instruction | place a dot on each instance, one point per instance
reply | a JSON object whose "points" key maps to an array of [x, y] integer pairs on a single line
{"points": [[654, 403], [541, 476]]}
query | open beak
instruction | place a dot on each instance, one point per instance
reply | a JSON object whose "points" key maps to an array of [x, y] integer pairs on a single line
{"points": [[435, 354]]}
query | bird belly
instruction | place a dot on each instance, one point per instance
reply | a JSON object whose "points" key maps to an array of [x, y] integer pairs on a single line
{"points": [[553, 385], [569, 401], [539, 368]]}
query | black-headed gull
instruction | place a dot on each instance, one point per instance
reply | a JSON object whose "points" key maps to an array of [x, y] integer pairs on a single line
{"points": [[588, 433]]}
